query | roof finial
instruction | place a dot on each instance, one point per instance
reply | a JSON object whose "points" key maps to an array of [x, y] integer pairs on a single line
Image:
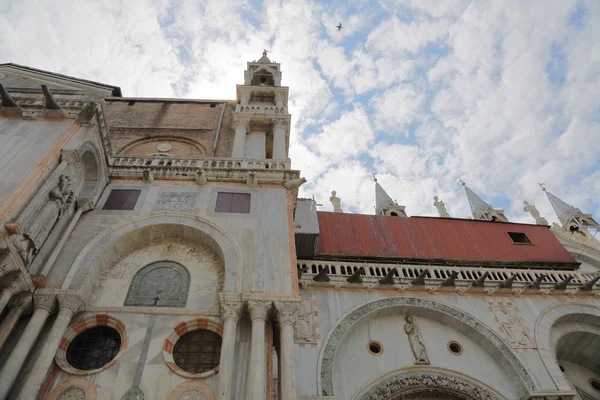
{"points": [[542, 185], [265, 51], [374, 177], [461, 182]]}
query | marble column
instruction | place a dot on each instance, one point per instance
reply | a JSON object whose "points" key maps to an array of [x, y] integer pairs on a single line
{"points": [[230, 312], [239, 141], [258, 366], [20, 304], [68, 305], [279, 141], [43, 306], [287, 312]]}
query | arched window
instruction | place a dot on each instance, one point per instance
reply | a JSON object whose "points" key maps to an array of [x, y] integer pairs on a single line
{"points": [[162, 284]]}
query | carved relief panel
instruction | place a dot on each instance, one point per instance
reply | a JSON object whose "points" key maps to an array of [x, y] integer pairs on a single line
{"points": [[305, 328], [512, 325]]}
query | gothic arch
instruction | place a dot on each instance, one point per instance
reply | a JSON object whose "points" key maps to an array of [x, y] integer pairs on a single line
{"points": [[114, 242], [412, 382], [581, 313], [418, 306]]}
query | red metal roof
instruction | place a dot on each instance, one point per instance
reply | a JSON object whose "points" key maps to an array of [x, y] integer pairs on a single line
{"points": [[436, 239]]}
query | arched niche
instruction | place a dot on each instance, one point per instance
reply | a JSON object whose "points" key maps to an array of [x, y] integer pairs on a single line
{"points": [[90, 170], [567, 332], [421, 308], [426, 382], [166, 146], [109, 246], [162, 283]]}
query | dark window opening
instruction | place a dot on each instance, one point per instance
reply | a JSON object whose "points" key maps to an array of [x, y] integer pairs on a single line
{"points": [[519, 237], [595, 384], [394, 214], [455, 348], [119, 199], [94, 348], [374, 347], [233, 202], [198, 351]]}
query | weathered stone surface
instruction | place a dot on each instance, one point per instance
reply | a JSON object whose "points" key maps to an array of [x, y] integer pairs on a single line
{"points": [[176, 201]]}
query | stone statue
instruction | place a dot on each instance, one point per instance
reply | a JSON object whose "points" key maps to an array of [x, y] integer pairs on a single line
{"points": [[531, 209], [336, 201], [61, 197], [416, 341], [441, 207]]}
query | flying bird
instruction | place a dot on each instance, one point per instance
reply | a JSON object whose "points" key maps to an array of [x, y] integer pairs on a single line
{"points": [[339, 27]]}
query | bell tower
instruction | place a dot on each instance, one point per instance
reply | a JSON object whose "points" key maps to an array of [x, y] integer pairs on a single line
{"points": [[261, 121]]}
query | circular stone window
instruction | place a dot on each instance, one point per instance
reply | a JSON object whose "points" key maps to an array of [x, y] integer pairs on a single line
{"points": [[94, 348], [375, 348], [595, 383], [198, 351], [455, 348]]}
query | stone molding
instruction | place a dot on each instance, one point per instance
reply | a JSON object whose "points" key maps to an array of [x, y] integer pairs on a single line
{"points": [[567, 395], [543, 326], [287, 311], [412, 381], [155, 311], [259, 309], [345, 322]]}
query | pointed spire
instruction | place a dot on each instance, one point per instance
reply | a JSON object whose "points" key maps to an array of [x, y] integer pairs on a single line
{"points": [[479, 208], [564, 211], [384, 205]]}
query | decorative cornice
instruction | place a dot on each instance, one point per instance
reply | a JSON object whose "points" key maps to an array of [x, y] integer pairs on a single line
{"points": [[287, 311]]}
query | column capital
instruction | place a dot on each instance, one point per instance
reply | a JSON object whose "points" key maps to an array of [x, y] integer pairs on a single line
{"points": [[231, 306], [241, 121], [22, 300], [17, 285], [280, 123], [259, 309], [287, 311], [72, 302], [45, 301]]}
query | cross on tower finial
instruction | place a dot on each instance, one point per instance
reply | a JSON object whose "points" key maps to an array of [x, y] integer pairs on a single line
{"points": [[461, 182], [374, 177], [542, 185]]}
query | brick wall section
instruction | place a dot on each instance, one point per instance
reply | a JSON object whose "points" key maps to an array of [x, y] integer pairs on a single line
{"points": [[193, 121]]}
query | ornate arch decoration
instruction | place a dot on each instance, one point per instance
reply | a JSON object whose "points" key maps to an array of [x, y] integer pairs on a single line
{"points": [[116, 241], [548, 318], [199, 149], [414, 381], [417, 306]]}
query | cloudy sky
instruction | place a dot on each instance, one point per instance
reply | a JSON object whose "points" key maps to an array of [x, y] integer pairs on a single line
{"points": [[504, 94]]}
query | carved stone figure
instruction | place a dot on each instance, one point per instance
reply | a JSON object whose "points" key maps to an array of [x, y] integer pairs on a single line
{"points": [[336, 201], [60, 198], [415, 338], [441, 207], [531, 209], [305, 323]]}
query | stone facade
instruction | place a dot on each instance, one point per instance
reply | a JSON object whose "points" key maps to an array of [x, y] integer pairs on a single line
{"points": [[196, 297]]}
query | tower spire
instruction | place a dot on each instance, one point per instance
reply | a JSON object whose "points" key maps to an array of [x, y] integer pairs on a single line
{"points": [[570, 217], [480, 209], [384, 205]]}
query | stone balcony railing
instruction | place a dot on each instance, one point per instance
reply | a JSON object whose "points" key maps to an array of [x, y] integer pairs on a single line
{"points": [[272, 171], [261, 109], [437, 278]]}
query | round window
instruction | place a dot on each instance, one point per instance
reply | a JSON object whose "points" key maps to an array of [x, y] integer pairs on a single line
{"points": [[455, 348], [94, 348], [374, 347], [198, 351], [595, 383]]}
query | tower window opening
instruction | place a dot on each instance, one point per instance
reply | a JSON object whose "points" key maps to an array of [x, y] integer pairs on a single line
{"points": [[519, 237], [263, 98]]}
